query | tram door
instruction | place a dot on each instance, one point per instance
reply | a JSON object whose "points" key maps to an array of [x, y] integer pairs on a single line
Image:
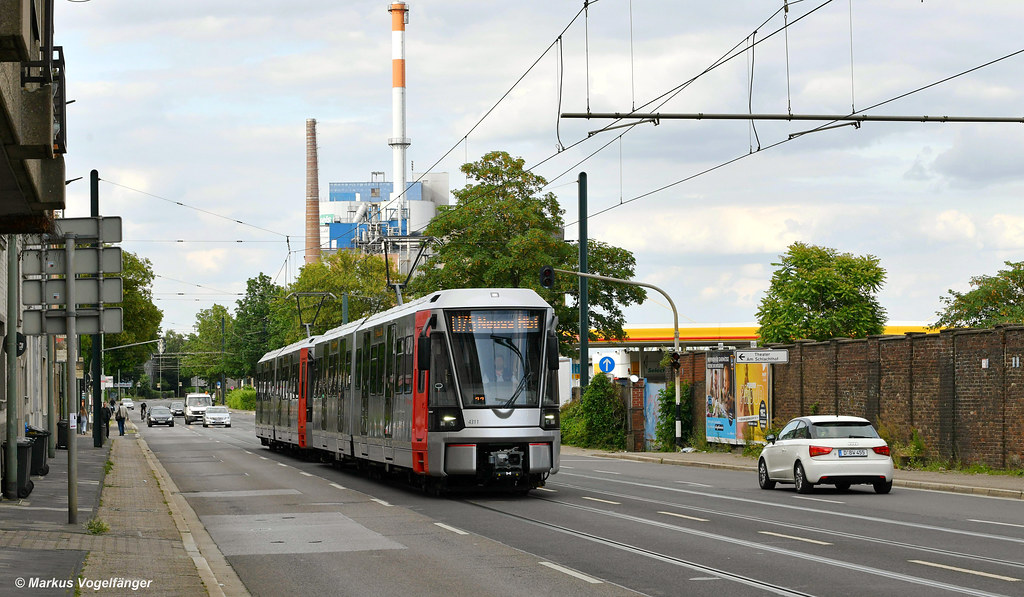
{"points": [[305, 413]]}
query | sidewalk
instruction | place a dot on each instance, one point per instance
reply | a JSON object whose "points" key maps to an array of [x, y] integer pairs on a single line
{"points": [[155, 544], [1004, 486]]}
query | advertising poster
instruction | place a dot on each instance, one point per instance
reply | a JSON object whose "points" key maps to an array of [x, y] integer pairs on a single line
{"points": [[721, 399], [753, 408]]}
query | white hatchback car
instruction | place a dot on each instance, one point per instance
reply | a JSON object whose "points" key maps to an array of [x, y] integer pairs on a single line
{"points": [[826, 449]]}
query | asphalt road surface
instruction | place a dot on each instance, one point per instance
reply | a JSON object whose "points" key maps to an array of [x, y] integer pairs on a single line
{"points": [[599, 527]]}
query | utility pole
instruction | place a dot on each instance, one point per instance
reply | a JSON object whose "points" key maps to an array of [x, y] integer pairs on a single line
{"points": [[223, 387], [97, 340], [675, 326], [584, 306], [11, 460]]}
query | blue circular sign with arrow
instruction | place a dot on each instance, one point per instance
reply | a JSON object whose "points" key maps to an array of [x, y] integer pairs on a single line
{"points": [[606, 364]]}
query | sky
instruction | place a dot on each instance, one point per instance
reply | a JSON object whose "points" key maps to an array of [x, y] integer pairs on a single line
{"points": [[193, 113]]}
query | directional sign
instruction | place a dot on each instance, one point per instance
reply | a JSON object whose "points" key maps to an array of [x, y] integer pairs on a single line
{"points": [[768, 355], [87, 261], [88, 291], [54, 321], [606, 364], [105, 230]]}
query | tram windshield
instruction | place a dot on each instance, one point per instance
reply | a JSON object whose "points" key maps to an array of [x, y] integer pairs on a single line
{"points": [[498, 356]]}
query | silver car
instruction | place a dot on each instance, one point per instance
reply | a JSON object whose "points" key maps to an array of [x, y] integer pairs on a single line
{"points": [[217, 415]]}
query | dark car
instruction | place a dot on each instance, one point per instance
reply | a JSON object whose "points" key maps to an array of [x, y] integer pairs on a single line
{"points": [[159, 415], [178, 408]]}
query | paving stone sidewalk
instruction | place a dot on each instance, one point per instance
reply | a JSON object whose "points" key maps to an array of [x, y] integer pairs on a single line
{"points": [[148, 548]]}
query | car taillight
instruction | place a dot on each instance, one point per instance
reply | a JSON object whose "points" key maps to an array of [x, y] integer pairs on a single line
{"points": [[883, 450], [818, 450]]}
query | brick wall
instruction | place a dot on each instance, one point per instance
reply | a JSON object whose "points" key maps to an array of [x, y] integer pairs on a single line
{"points": [[962, 390]]}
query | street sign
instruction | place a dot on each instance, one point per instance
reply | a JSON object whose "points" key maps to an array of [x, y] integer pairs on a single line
{"points": [[607, 364], [88, 291], [90, 260], [37, 322], [105, 229], [767, 355]]}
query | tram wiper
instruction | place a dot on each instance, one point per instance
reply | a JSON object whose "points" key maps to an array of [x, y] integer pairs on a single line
{"points": [[519, 390]]}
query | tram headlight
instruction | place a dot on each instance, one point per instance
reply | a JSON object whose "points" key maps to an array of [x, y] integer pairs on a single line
{"points": [[549, 418], [445, 419]]}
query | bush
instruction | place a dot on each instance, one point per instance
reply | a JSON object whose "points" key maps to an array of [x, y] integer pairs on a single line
{"points": [[597, 419], [665, 434], [242, 399]]}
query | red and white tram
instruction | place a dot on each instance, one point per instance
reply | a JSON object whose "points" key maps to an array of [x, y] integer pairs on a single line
{"points": [[456, 388]]}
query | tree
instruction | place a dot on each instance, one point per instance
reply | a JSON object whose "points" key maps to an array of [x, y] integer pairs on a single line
{"points": [[502, 231], [597, 419], [141, 321], [255, 333], [206, 349], [363, 277], [819, 293], [992, 300]]}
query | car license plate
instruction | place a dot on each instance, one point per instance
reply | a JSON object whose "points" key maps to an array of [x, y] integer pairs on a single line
{"points": [[852, 453]]}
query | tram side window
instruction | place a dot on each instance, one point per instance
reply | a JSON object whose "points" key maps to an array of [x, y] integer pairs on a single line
{"points": [[407, 366]]}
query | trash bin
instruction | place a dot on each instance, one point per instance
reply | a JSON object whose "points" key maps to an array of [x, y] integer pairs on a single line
{"points": [[25, 484], [40, 438], [62, 434]]}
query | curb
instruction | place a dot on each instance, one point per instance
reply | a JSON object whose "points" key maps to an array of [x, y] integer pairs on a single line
{"points": [[909, 484], [216, 573]]}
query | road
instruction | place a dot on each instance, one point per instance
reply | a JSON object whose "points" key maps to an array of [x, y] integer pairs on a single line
{"points": [[600, 527]]}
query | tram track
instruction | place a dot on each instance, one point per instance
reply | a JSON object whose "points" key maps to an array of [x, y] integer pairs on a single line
{"points": [[721, 572], [808, 528]]}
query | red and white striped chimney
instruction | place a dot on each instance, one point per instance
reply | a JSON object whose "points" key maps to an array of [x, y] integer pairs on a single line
{"points": [[398, 141]]}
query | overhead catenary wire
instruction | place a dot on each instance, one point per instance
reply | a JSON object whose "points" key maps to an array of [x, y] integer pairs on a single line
{"points": [[824, 126]]}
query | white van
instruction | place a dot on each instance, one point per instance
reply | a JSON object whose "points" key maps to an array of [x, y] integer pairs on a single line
{"points": [[195, 407]]}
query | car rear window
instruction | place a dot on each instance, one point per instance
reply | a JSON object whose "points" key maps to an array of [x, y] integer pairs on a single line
{"points": [[842, 429]]}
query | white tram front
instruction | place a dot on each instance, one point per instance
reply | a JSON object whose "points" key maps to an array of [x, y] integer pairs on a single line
{"points": [[456, 388]]}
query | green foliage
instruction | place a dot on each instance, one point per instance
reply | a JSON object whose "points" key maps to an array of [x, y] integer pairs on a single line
{"points": [[95, 526], [254, 334], [242, 398], [502, 231], [108, 466], [597, 419], [141, 320], [362, 277], [665, 433], [205, 350], [991, 301], [819, 293]]}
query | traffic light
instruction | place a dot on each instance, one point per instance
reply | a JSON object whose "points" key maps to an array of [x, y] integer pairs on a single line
{"points": [[675, 360], [547, 276]]}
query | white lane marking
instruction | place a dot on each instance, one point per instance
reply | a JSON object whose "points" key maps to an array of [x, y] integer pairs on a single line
{"points": [[263, 458], [573, 573], [452, 529], [607, 472], [1005, 524], [803, 497], [560, 465], [814, 541], [955, 569], [678, 515], [247, 451], [593, 499], [281, 464], [305, 474], [336, 486], [381, 502], [546, 489], [803, 509], [694, 484]]}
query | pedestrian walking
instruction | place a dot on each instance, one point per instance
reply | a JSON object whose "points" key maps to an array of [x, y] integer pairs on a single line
{"points": [[121, 416], [106, 414], [83, 420]]}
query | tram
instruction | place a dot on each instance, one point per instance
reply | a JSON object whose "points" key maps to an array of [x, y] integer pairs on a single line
{"points": [[457, 388]]}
